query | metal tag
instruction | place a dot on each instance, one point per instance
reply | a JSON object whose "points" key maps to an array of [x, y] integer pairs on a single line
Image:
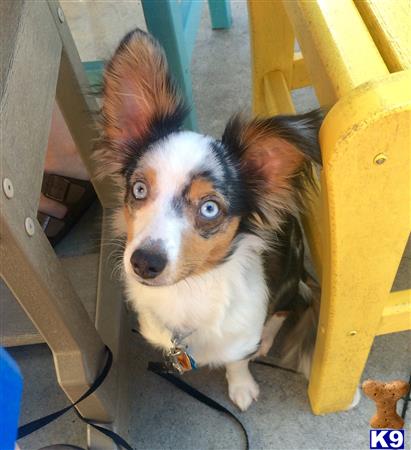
{"points": [[180, 360]]}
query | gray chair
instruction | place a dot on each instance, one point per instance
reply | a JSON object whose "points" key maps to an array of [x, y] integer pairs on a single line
{"points": [[40, 63]]}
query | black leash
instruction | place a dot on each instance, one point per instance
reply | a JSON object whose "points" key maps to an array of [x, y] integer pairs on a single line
{"points": [[35, 425], [162, 371]]}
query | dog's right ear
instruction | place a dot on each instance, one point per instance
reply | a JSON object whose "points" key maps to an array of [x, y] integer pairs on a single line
{"points": [[139, 94]]}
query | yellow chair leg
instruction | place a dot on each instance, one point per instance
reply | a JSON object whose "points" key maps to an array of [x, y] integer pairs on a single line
{"points": [[365, 141], [272, 48]]}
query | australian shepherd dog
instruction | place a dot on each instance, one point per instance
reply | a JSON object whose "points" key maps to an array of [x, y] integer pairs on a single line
{"points": [[213, 255]]}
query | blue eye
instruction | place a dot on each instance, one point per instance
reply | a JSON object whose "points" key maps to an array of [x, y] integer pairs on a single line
{"points": [[209, 209], [140, 190]]}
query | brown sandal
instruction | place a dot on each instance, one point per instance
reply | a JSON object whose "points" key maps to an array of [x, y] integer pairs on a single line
{"points": [[76, 195]]}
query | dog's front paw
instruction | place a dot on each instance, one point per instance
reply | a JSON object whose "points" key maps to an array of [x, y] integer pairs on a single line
{"points": [[242, 394]]}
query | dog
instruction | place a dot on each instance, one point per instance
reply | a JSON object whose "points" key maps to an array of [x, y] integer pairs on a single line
{"points": [[213, 254]]}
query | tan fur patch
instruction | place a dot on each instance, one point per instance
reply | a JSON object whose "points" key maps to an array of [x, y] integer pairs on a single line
{"points": [[200, 188], [199, 254]]}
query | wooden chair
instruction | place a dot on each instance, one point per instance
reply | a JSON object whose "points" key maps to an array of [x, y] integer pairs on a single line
{"points": [[40, 63], [356, 54]]}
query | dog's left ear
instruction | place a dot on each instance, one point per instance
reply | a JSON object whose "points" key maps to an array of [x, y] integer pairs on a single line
{"points": [[140, 101], [272, 151], [138, 89]]}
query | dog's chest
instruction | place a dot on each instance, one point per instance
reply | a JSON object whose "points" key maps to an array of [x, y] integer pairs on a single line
{"points": [[220, 314]]}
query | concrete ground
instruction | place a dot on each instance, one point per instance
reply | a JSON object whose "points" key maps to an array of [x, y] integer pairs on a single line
{"points": [[162, 417]]}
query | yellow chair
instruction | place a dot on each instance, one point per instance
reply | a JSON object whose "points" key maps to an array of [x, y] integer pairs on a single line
{"points": [[356, 54]]}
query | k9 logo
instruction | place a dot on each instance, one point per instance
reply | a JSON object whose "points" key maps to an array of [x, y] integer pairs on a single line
{"points": [[387, 439]]}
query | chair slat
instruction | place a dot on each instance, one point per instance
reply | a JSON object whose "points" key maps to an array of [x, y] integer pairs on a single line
{"points": [[389, 23], [335, 43], [396, 315]]}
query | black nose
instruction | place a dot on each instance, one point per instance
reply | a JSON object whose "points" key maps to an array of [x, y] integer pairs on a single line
{"points": [[147, 263]]}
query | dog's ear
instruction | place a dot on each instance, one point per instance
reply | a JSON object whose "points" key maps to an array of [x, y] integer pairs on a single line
{"points": [[274, 149], [272, 152], [138, 91]]}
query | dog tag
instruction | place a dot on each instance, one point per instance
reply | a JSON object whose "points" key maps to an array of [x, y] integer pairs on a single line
{"points": [[180, 360]]}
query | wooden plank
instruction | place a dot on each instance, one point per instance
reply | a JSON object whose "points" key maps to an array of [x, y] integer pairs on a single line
{"points": [[78, 107], [110, 303], [16, 327], [21, 139], [29, 266], [396, 315], [334, 57], [367, 212], [113, 325], [11, 11], [389, 23]]}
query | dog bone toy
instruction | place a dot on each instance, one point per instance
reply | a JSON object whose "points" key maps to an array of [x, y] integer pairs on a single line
{"points": [[386, 396]]}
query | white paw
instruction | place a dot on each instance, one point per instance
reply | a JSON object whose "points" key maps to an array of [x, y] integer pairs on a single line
{"points": [[355, 401], [242, 394]]}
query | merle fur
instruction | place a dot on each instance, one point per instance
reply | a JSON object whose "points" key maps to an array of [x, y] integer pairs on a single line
{"points": [[284, 259]]}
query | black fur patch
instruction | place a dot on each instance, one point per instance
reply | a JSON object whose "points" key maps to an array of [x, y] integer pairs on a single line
{"points": [[231, 185], [284, 267], [178, 205]]}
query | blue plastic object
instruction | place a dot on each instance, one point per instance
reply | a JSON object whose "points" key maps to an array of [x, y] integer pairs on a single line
{"points": [[164, 20], [220, 12], [11, 386], [175, 24]]}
